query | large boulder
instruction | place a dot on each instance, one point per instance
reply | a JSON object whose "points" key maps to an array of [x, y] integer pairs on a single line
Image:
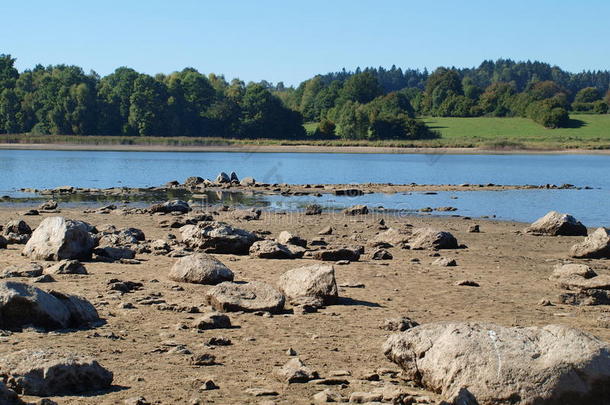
{"points": [[556, 224], [429, 238], [24, 305], [316, 281], [499, 365], [57, 238], [595, 246], [47, 372], [200, 268], [170, 206], [248, 297], [270, 249], [217, 237]]}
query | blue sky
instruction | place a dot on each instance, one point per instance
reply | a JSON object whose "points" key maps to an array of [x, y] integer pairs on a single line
{"points": [[291, 41]]}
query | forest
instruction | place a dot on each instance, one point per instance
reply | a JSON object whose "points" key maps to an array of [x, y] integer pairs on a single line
{"points": [[366, 104]]}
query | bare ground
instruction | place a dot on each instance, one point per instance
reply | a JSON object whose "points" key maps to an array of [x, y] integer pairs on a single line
{"points": [[512, 270]]}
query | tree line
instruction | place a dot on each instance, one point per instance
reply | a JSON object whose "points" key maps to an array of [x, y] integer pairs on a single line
{"points": [[503, 88], [374, 103]]}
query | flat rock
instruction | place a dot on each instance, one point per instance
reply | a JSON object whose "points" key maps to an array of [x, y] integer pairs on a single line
{"points": [[170, 206], [444, 262], [341, 253], [47, 373], [200, 268], [500, 365], [23, 270], [248, 297]]}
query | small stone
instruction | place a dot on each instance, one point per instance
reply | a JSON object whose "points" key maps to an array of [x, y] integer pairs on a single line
{"points": [[364, 397], [398, 324], [204, 359], [444, 262], [261, 392], [136, 401], [212, 320], [467, 283], [294, 371], [291, 352], [326, 231]]}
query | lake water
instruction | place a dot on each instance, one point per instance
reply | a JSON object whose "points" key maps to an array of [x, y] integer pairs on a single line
{"points": [[47, 169]]}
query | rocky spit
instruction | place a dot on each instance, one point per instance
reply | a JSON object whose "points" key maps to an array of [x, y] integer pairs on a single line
{"points": [[173, 305]]}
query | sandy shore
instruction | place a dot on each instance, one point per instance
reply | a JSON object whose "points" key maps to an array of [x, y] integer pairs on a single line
{"points": [[295, 149], [511, 268]]}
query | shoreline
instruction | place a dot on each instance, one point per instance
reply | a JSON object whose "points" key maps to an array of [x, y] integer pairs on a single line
{"points": [[298, 149]]}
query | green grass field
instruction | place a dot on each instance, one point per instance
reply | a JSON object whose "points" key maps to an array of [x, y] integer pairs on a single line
{"points": [[585, 132]]}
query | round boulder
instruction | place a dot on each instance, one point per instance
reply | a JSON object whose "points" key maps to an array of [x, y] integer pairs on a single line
{"points": [[200, 268]]}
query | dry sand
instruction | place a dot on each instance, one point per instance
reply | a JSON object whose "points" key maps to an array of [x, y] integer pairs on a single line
{"points": [[512, 270]]}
